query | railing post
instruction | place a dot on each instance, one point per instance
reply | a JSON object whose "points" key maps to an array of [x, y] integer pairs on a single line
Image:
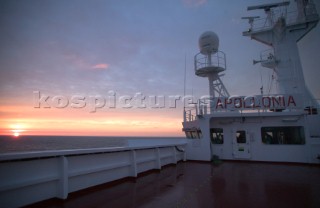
{"points": [[158, 158], [134, 163], [197, 110], [63, 182], [174, 155], [195, 63]]}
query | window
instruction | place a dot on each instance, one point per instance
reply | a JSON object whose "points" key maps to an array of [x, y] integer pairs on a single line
{"points": [[216, 135], [283, 135], [188, 134], [196, 134], [241, 137]]}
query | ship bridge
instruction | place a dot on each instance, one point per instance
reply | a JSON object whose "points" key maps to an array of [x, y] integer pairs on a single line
{"points": [[284, 121]]}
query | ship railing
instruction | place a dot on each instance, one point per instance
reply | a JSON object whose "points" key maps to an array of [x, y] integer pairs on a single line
{"points": [[212, 110], [195, 110], [277, 15], [313, 107], [217, 60], [291, 17], [40, 175], [190, 113], [204, 106]]}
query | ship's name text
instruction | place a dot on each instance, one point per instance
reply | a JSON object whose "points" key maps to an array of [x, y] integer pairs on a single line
{"points": [[256, 102]]}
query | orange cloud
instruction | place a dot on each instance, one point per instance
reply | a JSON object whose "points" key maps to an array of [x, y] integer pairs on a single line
{"points": [[100, 66]]}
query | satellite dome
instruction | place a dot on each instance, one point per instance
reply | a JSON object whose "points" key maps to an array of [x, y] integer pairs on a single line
{"points": [[208, 43]]}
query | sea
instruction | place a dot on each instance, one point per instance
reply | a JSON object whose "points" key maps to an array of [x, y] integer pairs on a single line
{"points": [[24, 143]]}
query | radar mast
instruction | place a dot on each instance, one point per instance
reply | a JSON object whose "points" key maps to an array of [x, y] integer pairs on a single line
{"points": [[281, 30], [209, 62]]}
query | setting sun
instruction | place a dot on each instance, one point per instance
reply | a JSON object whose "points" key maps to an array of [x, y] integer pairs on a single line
{"points": [[16, 129], [16, 134]]}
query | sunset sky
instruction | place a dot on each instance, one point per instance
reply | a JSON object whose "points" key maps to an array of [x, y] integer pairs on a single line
{"points": [[110, 50]]}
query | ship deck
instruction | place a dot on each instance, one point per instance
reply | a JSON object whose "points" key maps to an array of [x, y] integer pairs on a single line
{"points": [[204, 184]]}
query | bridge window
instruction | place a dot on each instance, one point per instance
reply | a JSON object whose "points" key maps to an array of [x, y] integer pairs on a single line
{"points": [[283, 135], [196, 134], [216, 135], [188, 134]]}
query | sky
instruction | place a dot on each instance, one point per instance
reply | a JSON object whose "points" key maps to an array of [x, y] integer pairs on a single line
{"points": [[71, 67]]}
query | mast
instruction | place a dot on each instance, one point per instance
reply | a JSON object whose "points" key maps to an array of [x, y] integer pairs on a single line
{"points": [[281, 30], [209, 63]]}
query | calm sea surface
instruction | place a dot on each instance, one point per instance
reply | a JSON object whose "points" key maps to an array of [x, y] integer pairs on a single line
{"points": [[40, 143]]}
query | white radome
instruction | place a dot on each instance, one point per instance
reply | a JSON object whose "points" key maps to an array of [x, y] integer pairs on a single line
{"points": [[208, 43]]}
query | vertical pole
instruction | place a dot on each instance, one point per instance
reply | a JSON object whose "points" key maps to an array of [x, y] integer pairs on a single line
{"points": [[158, 159], [211, 90], [63, 183], [209, 59], [174, 155], [185, 80], [134, 163]]}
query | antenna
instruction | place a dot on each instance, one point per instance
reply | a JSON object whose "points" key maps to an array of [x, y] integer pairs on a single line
{"points": [[261, 88], [210, 62], [250, 17], [267, 7], [185, 79]]}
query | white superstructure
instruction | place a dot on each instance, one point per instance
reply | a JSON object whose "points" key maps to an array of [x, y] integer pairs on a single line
{"points": [[283, 126]]}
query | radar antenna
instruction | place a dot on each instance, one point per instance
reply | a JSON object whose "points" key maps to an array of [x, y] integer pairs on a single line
{"points": [[267, 7], [210, 62]]}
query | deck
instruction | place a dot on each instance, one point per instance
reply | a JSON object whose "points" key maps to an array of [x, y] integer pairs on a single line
{"points": [[200, 184]]}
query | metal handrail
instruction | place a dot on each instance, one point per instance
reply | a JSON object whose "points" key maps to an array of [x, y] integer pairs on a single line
{"points": [[263, 23], [217, 59]]}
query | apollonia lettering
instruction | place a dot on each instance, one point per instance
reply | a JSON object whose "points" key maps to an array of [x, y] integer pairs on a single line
{"points": [[255, 102]]}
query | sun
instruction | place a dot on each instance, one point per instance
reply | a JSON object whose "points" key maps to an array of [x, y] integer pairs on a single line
{"points": [[16, 134], [17, 129]]}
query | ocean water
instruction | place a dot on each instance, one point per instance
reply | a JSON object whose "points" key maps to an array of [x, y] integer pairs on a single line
{"points": [[10, 144]]}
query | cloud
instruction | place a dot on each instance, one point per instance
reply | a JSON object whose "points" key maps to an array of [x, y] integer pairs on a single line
{"points": [[76, 60], [100, 66], [194, 3]]}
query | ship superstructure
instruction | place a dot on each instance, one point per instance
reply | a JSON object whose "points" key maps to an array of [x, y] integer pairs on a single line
{"points": [[282, 126]]}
